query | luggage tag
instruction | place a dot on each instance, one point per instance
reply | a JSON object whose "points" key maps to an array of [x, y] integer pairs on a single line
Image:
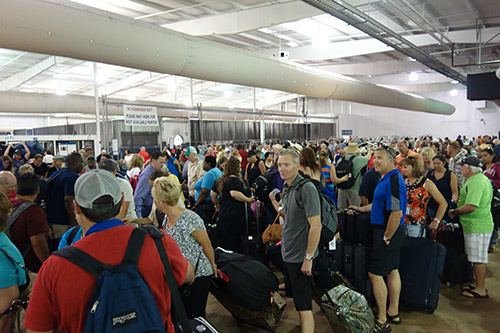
{"points": [[408, 210], [332, 246]]}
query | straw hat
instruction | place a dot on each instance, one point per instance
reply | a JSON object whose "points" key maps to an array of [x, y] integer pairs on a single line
{"points": [[352, 148]]}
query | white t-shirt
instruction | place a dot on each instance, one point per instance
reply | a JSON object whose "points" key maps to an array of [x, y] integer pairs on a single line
{"points": [[127, 159], [133, 172], [128, 196]]}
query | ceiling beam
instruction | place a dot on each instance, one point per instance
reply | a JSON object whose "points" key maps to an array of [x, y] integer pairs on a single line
{"points": [[18, 79], [245, 20]]}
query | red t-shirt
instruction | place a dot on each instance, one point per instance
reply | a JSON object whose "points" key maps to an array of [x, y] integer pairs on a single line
{"points": [[243, 155], [31, 222], [145, 155], [63, 290]]}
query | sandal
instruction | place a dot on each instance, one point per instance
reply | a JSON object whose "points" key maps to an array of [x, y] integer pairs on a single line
{"points": [[473, 294], [468, 287], [396, 320], [382, 327]]}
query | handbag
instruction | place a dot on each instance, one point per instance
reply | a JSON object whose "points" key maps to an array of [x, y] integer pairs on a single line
{"points": [[272, 234], [20, 304]]}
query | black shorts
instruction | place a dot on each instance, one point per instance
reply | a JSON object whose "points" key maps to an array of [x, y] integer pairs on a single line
{"points": [[298, 285], [385, 258]]}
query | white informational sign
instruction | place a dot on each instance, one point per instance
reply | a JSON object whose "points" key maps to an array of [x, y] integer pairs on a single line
{"points": [[114, 145], [140, 115]]}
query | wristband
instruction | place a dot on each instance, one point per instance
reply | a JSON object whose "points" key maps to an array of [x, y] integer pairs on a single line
{"points": [[437, 220]]}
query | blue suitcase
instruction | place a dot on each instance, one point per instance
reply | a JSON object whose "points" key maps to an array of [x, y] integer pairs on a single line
{"points": [[421, 266]]}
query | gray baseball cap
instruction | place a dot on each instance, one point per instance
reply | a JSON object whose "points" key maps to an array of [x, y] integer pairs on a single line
{"points": [[94, 184]]}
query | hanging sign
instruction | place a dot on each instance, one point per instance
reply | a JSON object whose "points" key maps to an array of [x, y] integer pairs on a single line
{"points": [[140, 115]]}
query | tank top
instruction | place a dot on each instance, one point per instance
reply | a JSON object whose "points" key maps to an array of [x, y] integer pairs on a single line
{"points": [[326, 173], [443, 185], [418, 198]]}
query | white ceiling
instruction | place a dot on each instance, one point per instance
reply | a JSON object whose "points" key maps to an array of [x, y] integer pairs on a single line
{"points": [[311, 37]]}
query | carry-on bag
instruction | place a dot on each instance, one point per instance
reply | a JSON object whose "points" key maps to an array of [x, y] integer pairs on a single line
{"points": [[353, 262], [457, 268], [251, 244], [267, 318], [347, 310], [421, 266], [355, 228], [248, 281]]}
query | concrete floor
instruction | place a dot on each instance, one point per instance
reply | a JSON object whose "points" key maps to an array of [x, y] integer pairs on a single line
{"points": [[455, 313]]}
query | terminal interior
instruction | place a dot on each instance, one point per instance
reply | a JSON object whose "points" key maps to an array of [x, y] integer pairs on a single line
{"points": [[244, 71]]}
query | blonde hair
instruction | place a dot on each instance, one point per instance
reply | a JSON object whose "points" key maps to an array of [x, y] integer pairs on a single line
{"points": [[430, 155], [221, 154], [26, 168], [166, 191], [137, 161]]}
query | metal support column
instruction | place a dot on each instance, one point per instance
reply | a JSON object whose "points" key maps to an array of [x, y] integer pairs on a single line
{"points": [[200, 120], [97, 116]]}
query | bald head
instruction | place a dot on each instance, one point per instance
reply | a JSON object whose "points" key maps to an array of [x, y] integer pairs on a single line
{"points": [[8, 182]]}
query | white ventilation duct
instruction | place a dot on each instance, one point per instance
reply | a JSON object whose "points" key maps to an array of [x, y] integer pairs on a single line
{"points": [[93, 35]]}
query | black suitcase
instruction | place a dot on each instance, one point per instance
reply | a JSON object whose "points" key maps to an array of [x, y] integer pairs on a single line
{"points": [[267, 318], [353, 261], [274, 256], [457, 268], [252, 244], [248, 281], [421, 266], [356, 229]]}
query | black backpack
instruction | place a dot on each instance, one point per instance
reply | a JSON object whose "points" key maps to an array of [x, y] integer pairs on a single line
{"points": [[345, 167], [328, 213], [262, 184]]}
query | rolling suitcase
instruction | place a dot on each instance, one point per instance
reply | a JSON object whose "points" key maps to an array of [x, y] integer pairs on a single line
{"points": [[421, 266], [248, 290], [457, 268], [252, 244], [268, 318], [355, 229], [353, 262]]}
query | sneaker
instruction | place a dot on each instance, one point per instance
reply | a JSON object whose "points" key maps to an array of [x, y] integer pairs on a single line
{"points": [[382, 327]]}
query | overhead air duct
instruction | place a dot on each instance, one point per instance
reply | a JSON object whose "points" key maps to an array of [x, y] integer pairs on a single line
{"points": [[89, 34]]}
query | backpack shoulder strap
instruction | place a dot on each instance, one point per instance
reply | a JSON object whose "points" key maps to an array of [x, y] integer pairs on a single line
{"points": [[177, 303], [298, 195], [72, 235], [134, 246], [81, 259], [18, 211]]}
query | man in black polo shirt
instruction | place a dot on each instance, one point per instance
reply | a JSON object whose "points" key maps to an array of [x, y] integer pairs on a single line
{"points": [[387, 216]]}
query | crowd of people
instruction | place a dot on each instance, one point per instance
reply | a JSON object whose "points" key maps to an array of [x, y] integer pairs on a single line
{"points": [[199, 197]]}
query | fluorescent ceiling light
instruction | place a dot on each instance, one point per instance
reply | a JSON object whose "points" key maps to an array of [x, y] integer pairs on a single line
{"points": [[60, 92], [454, 92], [454, 82], [413, 76]]}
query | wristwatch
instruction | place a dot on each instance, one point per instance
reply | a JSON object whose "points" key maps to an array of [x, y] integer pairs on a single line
{"points": [[386, 239], [309, 256]]}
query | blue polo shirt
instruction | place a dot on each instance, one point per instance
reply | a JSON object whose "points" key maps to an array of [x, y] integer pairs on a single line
{"points": [[390, 195]]}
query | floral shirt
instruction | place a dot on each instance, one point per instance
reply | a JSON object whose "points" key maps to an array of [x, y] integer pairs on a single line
{"points": [[418, 198], [181, 231]]}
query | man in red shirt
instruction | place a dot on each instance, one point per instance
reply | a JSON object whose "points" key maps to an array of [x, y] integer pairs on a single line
{"points": [[144, 154], [62, 290]]}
